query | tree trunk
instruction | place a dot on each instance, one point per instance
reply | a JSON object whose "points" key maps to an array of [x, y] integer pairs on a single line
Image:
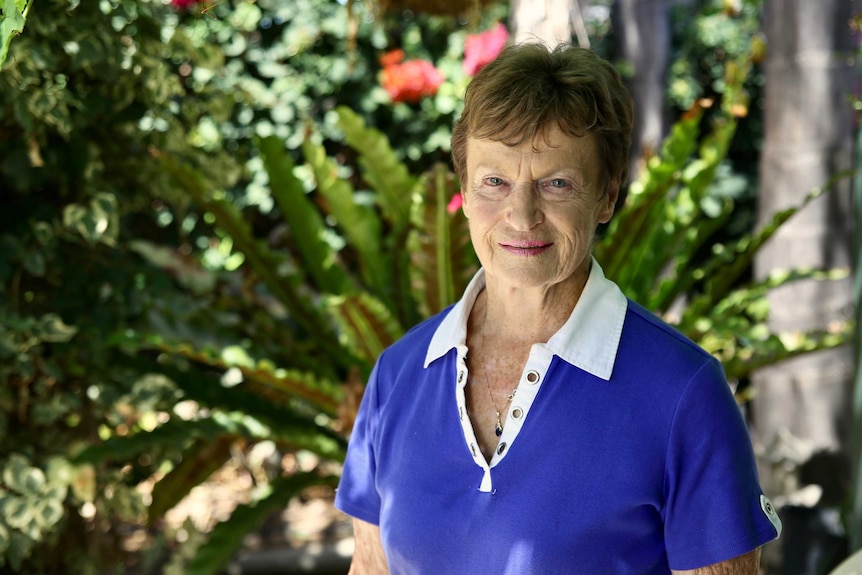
{"points": [[801, 412], [642, 37], [545, 21]]}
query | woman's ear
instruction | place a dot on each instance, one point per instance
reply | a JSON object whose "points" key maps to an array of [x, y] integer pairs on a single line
{"points": [[609, 200], [464, 207]]}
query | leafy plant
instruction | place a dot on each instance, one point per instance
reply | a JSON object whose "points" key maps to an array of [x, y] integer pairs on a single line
{"points": [[143, 344], [74, 94], [664, 250], [346, 288]]}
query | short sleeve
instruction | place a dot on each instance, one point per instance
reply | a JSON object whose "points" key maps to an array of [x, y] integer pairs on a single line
{"points": [[357, 493], [714, 507]]}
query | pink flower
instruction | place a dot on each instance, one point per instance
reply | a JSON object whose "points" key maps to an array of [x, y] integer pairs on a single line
{"points": [[184, 3], [481, 48], [455, 203], [409, 81]]}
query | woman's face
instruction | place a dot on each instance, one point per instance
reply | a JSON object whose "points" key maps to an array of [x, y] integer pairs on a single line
{"points": [[533, 209]]}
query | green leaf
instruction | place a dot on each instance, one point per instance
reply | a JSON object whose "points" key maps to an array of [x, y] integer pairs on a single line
{"points": [[19, 476], [278, 385], [17, 512], [47, 512], [724, 268], [441, 257], [630, 237], [228, 535], [174, 434], [360, 224], [283, 386], [262, 260], [303, 219], [97, 222], [20, 547], [198, 462], [385, 173], [12, 18], [682, 279], [52, 329], [5, 540], [754, 357], [367, 324], [284, 423], [34, 263], [187, 271]]}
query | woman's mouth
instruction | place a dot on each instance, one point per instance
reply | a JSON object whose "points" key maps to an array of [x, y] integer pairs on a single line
{"points": [[528, 248]]}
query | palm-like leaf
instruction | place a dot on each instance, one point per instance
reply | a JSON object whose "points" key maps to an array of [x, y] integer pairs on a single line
{"points": [[303, 219], [226, 539], [441, 256], [381, 168], [359, 223], [264, 262], [368, 326]]}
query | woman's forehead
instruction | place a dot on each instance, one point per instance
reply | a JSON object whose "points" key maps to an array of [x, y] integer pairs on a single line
{"points": [[549, 145]]}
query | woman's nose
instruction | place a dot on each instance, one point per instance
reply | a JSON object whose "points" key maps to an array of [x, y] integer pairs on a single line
{"points": [[524, 211]]}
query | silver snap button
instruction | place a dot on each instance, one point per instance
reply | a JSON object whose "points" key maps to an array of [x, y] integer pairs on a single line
{"points": [[473, 447], [460, 376], [461, 413], [501, 448], [532, 376], [517, 413]]}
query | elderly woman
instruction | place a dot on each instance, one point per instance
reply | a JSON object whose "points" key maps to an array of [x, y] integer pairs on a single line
{"points": [[545, 424]]}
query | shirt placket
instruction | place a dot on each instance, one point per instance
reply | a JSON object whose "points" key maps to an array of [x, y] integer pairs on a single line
{"points": [[531, 380]]}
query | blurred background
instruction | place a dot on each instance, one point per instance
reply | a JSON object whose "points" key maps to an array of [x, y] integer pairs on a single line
{"points": [[215, 214]]}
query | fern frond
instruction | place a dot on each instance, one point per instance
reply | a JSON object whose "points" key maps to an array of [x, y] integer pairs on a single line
{"points": [[388, 177]]}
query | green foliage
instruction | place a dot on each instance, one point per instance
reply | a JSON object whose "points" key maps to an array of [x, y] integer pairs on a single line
{"points": [[665, 251], [95, 289], [315, 253], [174, 289], [441, 255], [31, 505], [226, 538], [710, 35], [289, 65], [13, 14], [367, 305]]}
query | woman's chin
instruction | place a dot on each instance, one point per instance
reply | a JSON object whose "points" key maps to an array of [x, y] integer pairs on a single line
{"points": [[528, 277]]}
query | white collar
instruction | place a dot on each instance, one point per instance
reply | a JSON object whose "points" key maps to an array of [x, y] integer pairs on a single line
{"points": [[588, 340]]}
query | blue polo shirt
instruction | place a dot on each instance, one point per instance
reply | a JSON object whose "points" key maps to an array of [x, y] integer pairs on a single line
{"points": [[623, 452]]}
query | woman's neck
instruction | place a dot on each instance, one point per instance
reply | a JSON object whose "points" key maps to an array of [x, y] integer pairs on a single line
{"points": [[527, 314]]}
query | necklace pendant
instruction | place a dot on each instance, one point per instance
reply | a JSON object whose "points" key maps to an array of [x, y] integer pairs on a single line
{"points": [[498, 429]]}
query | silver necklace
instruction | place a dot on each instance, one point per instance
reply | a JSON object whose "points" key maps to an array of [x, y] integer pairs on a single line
{"points": [[498, 427]]}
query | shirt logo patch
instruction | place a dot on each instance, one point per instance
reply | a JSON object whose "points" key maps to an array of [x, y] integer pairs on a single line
{"points": [[771, 514]]}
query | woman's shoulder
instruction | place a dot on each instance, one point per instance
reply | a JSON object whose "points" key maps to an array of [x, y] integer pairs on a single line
{"points": [[660, 341], [662, 362], [417, 339]]}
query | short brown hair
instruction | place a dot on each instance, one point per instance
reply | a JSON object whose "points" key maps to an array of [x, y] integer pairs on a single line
{"points": [[528, 86]]}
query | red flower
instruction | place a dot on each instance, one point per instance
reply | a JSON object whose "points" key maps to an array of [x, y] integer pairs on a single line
{"points": [[409, 81], [481, 48], [184, 3], [392, 57]]}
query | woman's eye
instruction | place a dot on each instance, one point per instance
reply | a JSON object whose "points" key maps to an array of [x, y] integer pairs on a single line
{"points": [[556, 185], [494, 181]]}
